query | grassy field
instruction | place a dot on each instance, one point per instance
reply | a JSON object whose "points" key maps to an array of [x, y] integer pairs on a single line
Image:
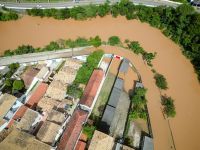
{"points": [[104, 95]]}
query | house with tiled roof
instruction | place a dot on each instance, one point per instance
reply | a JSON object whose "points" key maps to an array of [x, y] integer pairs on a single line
{"points": [[101, 141], [73, 130], [30, 121], [92, 89], [20, 112], [48, 132], [29, 75], [80, 145], [19, 140], [37, 94]]}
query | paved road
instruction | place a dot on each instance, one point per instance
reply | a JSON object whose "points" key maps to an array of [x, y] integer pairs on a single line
{"points": [[59, 5], [42, 56]]}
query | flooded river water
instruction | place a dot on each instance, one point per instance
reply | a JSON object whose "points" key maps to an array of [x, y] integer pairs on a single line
{"points": [[183, 84]]}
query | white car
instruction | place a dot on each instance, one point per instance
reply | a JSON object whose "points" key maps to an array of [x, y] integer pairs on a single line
{"points": [[2, 5], [38, 6]]}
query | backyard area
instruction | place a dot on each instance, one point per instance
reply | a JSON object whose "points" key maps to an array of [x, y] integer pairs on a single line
{"points": [[104, 95], [105, 90]]}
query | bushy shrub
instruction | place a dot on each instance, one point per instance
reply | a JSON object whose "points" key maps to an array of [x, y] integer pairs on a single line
{"points": [[148, 57], [89, 130], [114, 40], [169, 108], [24, 49], [7, 15], [96, 41], [135, 47], [84, 73], [161, 81], [52, 46], [74, 90], [139, 101]]}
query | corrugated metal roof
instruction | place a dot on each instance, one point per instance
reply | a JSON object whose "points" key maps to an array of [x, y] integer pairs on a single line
{"points": [[139, 84], [119, 83], [114, 97], [124, 66], [148, 143], [108, 115]]}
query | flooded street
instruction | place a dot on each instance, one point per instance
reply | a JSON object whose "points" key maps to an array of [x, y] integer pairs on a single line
{"points": [[183, 85]]}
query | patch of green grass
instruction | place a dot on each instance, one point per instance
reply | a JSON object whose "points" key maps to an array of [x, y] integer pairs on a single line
{"points": [[89, 131], [104, 95]]}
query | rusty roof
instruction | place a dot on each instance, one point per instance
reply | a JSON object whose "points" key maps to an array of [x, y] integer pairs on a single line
{"points": [[71, 134], [37, 95], [92, 87]]}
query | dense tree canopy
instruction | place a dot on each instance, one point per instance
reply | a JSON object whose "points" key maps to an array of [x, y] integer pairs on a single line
{"points": [[8, 14]]}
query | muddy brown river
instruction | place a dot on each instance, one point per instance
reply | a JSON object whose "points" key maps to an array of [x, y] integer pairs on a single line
{"points": [[184, 87]]}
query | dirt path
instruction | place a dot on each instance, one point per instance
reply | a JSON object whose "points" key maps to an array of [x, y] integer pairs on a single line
{"points": [[183, 84]]}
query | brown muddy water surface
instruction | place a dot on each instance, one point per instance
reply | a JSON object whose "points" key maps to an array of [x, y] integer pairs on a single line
{"points": [[183, 85]]}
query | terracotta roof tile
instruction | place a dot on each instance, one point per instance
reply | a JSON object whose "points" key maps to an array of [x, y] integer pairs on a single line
{"points": [[37, 95], [10, 123], [92, 88], [21, 111], [83, 137], [80, 145], [73, 130]]}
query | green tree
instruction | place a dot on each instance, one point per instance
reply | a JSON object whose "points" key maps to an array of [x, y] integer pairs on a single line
{"points": [[78, 13], [149, 57], [24, 49], [8, 53], [74, 90], [115, 10], [52, 46], [91, 10], [169, 108], [81, 42], [139, 97], [8, 82], [103, 9], [13, 66], [84, 73], [114, 40], [161, 81], [18, 85], [62, 14], [135, 47], [96, 41]]}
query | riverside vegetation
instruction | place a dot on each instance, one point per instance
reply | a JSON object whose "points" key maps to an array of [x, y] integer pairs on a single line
{"points": [[182, 24]]}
